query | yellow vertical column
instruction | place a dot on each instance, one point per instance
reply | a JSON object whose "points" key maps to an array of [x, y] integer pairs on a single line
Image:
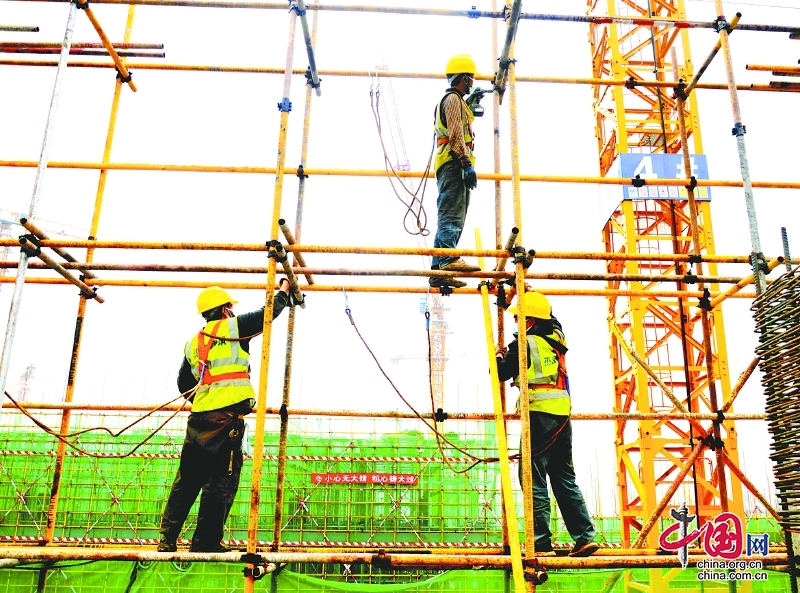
{"points": [[261, 406], [76, 342]]}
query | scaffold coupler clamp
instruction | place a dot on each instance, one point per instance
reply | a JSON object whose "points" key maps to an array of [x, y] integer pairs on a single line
{"points": [[638, 182], [501, 296], [722, 24], [259, 570], [506, 12], [284, 413], [274, 247], [381, 560], [739, 129], [124, 79], [293, 7], [440, 415], [285, 105], [521, 256], [505, 64], [680, 90], [310, 79], [692, 184], [474, 14], [534, 573], [33, 240], [445, 290], [705, 301], [712, 442], [82, 5], [631, 83], [301, 172]]}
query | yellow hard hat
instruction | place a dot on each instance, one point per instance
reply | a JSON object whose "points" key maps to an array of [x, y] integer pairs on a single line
{"points": [[212, 297], [460, 64], [535, 305]]}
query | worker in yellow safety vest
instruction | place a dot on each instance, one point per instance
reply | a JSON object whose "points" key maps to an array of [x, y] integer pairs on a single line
{"points": [[215, 375], [550, 426], [454, 166]]}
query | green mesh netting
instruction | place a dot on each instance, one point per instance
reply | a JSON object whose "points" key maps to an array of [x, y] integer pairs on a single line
{"points": [[126, 577]]}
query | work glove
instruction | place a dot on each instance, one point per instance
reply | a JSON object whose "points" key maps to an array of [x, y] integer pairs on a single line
{"points": [[468, 173], [474, 97]]}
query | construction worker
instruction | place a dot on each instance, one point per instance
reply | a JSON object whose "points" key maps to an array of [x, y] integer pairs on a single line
{"points": [[454, 166], [215, 375], [550, 426]]}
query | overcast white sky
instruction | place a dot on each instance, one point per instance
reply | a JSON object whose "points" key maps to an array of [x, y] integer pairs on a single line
{"points": [[133, 343]]}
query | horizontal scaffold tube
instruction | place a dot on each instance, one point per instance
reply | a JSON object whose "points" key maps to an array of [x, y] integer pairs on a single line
{"points": [[381, 289], [381, 173], [638, 21], [351, 249], [438, 560], [495, 275], [299, 412], [416, 75]]}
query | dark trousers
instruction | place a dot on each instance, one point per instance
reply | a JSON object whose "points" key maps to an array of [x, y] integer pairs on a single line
{"points": [[555, 462], [211, 462], [451, 208]]}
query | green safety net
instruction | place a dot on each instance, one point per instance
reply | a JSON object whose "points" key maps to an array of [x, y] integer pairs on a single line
{"points": [[201, 577]]}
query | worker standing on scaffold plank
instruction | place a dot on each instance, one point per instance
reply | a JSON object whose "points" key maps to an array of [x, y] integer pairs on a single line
{"points": [[216, 361], [454, 166], [550, 425]]}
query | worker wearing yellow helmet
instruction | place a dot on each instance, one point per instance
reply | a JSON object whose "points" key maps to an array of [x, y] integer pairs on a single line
{"points": [[215, 376], [550, 426], [454, 166]]}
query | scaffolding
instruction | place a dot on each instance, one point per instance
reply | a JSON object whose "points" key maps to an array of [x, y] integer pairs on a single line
{"points": [[649, 243]]}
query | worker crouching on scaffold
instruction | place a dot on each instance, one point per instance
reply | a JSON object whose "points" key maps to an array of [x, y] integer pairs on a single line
{"points": [[215, 375], [550, 425]]}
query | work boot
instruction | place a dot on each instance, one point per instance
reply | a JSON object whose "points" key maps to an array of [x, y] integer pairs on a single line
{"points": [[459, 265], [218, 549], [166, 544], [442, 281], [583, 550]]}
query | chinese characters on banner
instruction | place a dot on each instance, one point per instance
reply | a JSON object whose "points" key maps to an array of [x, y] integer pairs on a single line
{"points": [[405, 479], [723, 537]]}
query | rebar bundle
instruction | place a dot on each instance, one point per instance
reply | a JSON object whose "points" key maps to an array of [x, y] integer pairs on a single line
{"points": [[777, 315]]}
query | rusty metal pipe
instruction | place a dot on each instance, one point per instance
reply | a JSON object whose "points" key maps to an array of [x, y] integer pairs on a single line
{"points": [[65, 254], [19, 28], [298, 257], [512, 240], [121, 69], [87, 290], [693, 83]]}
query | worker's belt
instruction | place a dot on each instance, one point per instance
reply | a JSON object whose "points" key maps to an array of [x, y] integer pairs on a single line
{"points": [[208, 378], [444, 140], [542, 386]]}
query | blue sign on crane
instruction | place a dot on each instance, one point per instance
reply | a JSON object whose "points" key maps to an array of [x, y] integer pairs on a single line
{"points": [[652, 167]]}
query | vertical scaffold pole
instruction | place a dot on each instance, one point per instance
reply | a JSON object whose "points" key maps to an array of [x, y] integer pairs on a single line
{"points": [[287, 369], [510, 526], [285, 107], [757, 257], [13, 313], [498, 240], [524, 414], [76, 342]]}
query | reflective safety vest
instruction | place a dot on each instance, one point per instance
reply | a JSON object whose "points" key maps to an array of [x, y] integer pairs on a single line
{"points": [[222, 366], [443, 137], [548, 383]]}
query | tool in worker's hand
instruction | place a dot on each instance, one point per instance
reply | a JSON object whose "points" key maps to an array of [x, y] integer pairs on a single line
{"points": [[473, 100]]}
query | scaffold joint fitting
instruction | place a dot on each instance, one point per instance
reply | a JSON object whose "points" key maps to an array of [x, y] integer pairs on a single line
{"points": [[522, 256], [692, 183], [381, 560], [713, 443], [739, 129], [301, 172], [631, 83], [474, 14], [501, 296], [295, 8], [638, 182], [33, 240], [504, 64], [124, 79], [680, 90], [721, 23], [689, 279], [440, 415], [82, 5], [705, 301], [259, 569], [310, 79], [696, 258], [90, 295], [506, 12], [485, 283], [445, 290], [273, 247], [720, 417], [285, 105], [284, 413]]}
